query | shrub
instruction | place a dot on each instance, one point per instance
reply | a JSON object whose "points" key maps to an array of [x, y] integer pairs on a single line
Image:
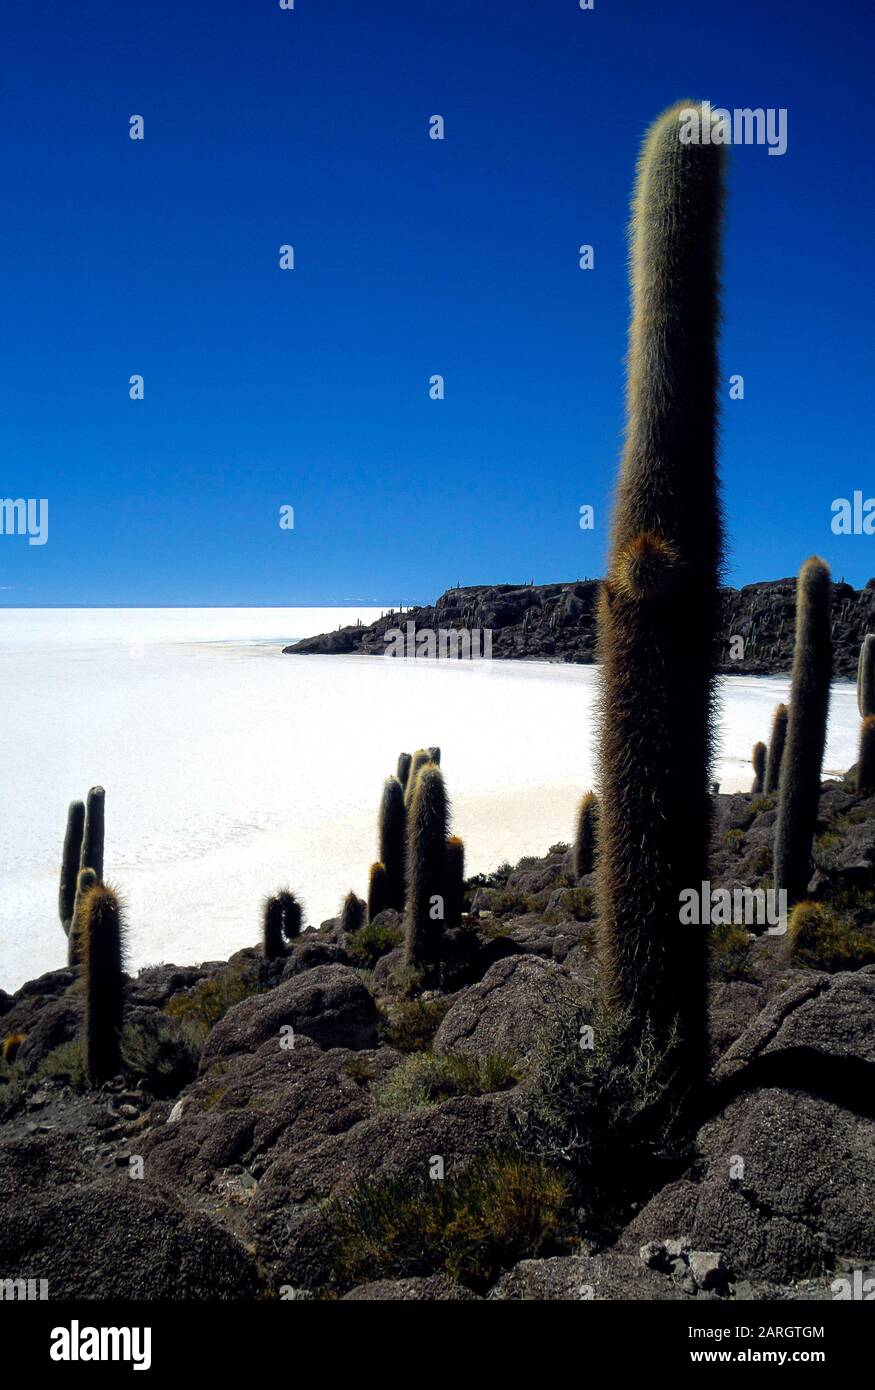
{"points": [[426, 1079], [730, 951], [199, 1009], [412, 1024], [370, 942], [155, 1049], [817, 938], [472, 1226]]}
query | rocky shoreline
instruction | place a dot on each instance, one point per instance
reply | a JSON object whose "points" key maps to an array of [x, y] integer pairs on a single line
{"points": [[270, 1112], [557, 622]]}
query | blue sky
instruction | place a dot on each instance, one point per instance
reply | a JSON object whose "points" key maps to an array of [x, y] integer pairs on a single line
{"points": [[412, 257]]}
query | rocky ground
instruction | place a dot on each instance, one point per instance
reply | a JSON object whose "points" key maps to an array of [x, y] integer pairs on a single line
{"points": [[280, 1127], [556, 622]]}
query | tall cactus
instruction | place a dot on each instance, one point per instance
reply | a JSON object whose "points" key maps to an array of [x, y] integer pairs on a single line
{"points": [[455, 881], [776, 749], [291, 915], [377, 887], [758, 758], [426, 870], [866, 677], [70, 862], [92, 840], [86, 879], [393, 841], [583, 853], [658, 610], [272, 935], [102, 946], [806, 730], [866, 758]]}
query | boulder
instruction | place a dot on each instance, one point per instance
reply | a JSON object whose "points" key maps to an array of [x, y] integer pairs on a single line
{"points": [[506, 1011], [437, 1287], [328, 1004]]}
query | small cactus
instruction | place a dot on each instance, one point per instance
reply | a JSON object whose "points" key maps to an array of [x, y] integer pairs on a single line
{"points": [[866, 677], [85, 881], [426, 869], [272, 941], [352, 913], [393, 841], [403, 769], [378, 883], [758, 758], [776, 750], [454, 896], [102, 932], [292, 915], [70, 862], [806, 730], [866, 759], [585, 836], [91, 856]]}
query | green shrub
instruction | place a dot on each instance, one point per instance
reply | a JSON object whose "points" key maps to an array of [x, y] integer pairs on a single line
{"points": [[370, 942], [156, 1050], [733, 840], [412, 1023], [65, 1064], [425, 1079], [730, 951], [501, 1210], [198, 1010]]}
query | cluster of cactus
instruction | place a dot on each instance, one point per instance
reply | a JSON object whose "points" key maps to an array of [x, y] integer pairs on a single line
{"points": [[799, 791], [281, 923], [659, 607]]}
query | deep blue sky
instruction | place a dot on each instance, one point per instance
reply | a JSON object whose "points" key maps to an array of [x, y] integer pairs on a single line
{"points": [[413, 257]]}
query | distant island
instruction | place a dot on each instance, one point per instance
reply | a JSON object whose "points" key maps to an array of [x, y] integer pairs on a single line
{"points": [[557, 622]]}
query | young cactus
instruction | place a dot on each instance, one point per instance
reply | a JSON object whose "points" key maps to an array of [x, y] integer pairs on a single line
{"points": [[91, 856], [393, 841], [866, 677], [454, 896], [85, 881], [758, 758], [377, 890], [352, 913], [806, 730], [102, 933], [585, 836], [659, 607], [426, 870], [776, 750], [70, 863], [866, 759]]}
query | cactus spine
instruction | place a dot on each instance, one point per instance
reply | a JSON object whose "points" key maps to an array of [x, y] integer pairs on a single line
{"points": [[659, 607], [866, 759], [583, 858], [455, 882], [776, 749], [806, 730], [102, 955], [758, 758], [377, 887], [393, 841], [92, 839], [866, 677], [426, 870], [70, 863]]}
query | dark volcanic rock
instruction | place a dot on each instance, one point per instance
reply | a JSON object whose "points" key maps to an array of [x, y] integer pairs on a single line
{"points": [[506, 1011], [557, 622], [436, 1287], [328, 1004]]}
